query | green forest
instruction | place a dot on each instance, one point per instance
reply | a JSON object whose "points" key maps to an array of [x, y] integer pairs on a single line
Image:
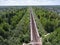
{"points": [[15, 25], [48, 23]]}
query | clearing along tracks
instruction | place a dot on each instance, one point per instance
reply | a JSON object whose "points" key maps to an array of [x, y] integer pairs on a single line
{"points": [[35, 38]]}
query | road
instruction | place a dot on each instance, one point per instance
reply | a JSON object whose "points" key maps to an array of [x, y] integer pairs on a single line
{"points": [[35, 38]]}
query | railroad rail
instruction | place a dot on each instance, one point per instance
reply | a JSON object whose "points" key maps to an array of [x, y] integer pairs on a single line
{"points": [[34, 35]]}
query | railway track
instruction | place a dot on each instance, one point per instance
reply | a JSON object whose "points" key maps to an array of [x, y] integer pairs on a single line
{"points": [[34, 35]]}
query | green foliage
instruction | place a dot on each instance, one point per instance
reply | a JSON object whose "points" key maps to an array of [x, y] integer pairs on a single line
{"points": [[11, 20], [53, 38], [50, 21], [14, 26]]}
